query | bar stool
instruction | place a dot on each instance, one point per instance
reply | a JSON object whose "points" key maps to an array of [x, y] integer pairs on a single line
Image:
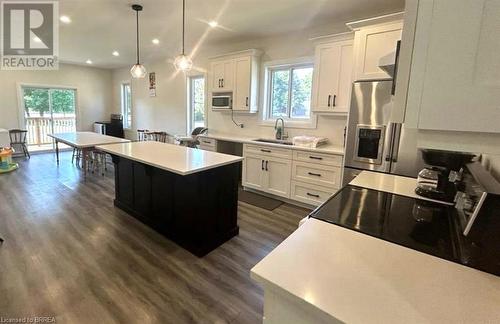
{"points": [[142, 135]]}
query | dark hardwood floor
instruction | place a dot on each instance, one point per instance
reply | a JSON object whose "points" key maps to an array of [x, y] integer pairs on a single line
{"points": [[70, 254]]}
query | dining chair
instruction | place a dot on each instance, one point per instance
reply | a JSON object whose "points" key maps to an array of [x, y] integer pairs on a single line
{"points": [[18, 139], [159, 136], [142, 135]]}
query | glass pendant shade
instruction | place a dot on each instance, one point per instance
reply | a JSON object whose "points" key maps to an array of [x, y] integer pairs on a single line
{"points": [[138, 71], [183, 63]]}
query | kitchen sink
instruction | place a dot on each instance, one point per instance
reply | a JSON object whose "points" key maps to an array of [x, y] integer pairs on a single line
{"points": [[274, 141]]}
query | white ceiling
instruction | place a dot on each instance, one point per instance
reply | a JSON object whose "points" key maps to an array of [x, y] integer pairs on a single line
{"points": [[99, 27]]}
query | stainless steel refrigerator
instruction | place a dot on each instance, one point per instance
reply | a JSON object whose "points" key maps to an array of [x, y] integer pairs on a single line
{"points": [[372, 142]]}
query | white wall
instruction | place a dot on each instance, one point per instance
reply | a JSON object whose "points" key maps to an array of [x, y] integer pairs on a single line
{"points": [[93, 91], [167, 111]]}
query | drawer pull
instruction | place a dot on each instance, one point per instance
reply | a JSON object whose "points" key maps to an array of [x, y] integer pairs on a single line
{"points": [[262, 167], [314, 174], [312, 195], [315, 157], [207, 142], [267, 162], [265, 151]]}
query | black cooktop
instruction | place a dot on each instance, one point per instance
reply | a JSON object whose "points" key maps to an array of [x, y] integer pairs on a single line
{"points": [[417, 224]]}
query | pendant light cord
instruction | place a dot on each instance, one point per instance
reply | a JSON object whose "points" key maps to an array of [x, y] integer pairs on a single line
{"points": [[183, 23], [137, 33]]}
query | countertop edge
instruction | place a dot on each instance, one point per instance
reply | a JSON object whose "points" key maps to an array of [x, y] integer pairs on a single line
{"points": [[236, 139], [182, 173]]}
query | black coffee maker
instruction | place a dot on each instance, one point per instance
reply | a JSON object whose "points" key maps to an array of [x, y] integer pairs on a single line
{"points": [[442, 174]]}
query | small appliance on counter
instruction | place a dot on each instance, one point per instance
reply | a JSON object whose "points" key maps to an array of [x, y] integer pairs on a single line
{"points": [[6, 164], [114, 127], [442, 173]]}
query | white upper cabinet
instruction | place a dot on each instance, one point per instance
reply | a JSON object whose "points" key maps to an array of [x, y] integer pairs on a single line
{"points": [[333, 76], [455, 68], [237, 73], [375, 44], [222, 76]]}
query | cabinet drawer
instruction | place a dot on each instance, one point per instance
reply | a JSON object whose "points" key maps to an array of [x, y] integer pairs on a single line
{"points": [[320, 158], [268, 151], [316, 174], [310, 194], [205, 141], [208, 148]]}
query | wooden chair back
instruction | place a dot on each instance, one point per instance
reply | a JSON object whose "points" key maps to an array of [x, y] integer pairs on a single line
{"points": [[18, 136]]}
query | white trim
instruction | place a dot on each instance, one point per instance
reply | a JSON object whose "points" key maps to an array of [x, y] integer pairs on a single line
{"points": [[373, 21], [189, 78], [20, 100], [311, 123]]}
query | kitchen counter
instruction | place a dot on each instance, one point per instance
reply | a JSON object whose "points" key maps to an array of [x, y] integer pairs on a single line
{"points": [[174, 158], [398, 185], [324, 273], [188, 195], [327, 148], [336, 274]]}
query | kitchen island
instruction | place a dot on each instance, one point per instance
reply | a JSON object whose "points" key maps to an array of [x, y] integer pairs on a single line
{"points": [[188, 195]]}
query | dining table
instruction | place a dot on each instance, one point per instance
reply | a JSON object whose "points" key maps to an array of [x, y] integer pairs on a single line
{"points": [[84, 141]]}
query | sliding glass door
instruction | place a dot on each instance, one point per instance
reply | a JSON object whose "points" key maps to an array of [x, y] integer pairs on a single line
{"points": [[47, 111]]}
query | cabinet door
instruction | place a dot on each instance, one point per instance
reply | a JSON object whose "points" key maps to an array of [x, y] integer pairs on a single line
{"points": [[326, 76], [228, 77], [241, 99], [372, 45], [278, 173], [333, 77], [460, 88], [253, 176], [217, 75]]}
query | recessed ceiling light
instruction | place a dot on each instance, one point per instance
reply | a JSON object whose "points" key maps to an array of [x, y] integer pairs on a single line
{"points": [[88, 61], [65, 19], [37, 39], [213, 23], [115, 53], [156, 41]]}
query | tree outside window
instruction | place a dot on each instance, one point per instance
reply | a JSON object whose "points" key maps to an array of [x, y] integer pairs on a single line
{"points": [[290, 91]]}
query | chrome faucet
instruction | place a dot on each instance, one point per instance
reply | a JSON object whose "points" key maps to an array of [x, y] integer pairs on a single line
{"points": [[280, 131]]}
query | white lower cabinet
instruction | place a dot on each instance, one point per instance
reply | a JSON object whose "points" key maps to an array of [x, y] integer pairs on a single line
{"points": [[310, 194], [208, 144], [285, 173]]}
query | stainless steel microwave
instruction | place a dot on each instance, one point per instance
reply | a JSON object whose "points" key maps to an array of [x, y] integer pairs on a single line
{"points": [[222, 101]]}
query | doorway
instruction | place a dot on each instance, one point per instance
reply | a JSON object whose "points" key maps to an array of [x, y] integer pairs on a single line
{"points": [[47, 110]]}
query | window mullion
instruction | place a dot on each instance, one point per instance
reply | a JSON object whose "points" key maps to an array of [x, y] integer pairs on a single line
{"points": [[290, 83]]}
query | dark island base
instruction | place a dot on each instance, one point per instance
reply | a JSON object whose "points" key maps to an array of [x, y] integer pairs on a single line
{"points": [[196, 211]]}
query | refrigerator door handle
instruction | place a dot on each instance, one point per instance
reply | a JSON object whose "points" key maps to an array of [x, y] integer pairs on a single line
{"points": [[396, 142], [392, 129]]}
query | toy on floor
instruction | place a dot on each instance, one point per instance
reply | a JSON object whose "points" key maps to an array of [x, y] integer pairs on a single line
{"points": [[6, 164]]}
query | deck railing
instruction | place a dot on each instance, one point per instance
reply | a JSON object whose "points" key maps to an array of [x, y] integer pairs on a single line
{"points": [[39, 127]]}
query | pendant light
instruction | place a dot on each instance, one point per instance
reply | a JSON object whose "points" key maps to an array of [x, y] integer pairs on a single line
{"points": [[183, 62], [138, 71]]}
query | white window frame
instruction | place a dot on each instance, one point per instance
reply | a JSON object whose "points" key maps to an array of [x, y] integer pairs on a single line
{"points": [[268, 68], [122, 105], [190, 100]]}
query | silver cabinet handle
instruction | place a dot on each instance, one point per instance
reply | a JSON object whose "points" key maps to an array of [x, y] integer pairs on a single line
{"points": [[314, 174], [247, 102], [262, 165], [329, 99], [312, 195], [265, 151], [334, 101], [267, 162], [315, 158]]}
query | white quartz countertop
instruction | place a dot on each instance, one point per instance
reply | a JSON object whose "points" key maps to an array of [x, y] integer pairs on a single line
{"points": [[86, 139], [327, 148], [398, 185], [356, 278], [174, 158]]}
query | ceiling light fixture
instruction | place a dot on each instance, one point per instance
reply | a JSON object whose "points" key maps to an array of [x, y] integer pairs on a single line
{"points": [[183, 62], [88, 61], [115, 53], [65, 19], [156, 41], [213, 23], [138, 71]]}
